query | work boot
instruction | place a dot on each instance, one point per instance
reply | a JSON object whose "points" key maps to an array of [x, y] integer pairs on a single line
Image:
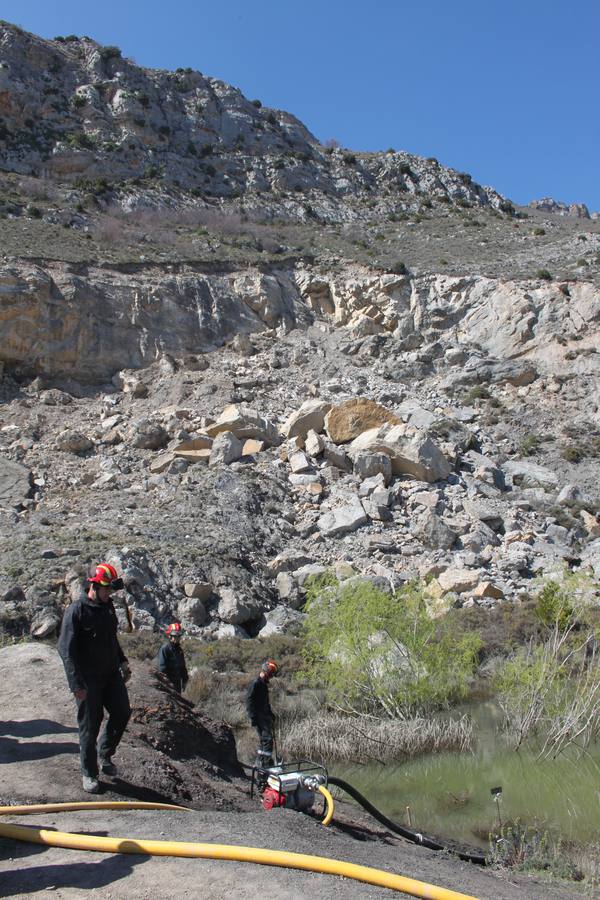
{"points": [[264, 760], [108, 767], [91, 785]]}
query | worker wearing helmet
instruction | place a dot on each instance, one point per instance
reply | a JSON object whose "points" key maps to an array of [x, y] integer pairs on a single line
{"points": [[171, 660], [96, 670], [260, 713]]}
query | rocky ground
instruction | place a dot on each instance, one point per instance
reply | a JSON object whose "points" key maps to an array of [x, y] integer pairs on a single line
{"points": [[189, 760]]}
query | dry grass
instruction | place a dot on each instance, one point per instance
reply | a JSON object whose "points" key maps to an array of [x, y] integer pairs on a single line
{"points": [[363, 740]]}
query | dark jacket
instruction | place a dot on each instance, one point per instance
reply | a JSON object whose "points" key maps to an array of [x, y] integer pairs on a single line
{"points": [[171, 662], [88, 642], [257, 701]]}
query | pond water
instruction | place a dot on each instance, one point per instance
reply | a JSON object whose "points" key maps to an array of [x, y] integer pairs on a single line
{"points": [[449, 793]]}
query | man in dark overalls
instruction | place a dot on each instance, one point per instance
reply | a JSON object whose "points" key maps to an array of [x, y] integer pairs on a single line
{"points": [[96, 670], [260, 713], [171, 661]]}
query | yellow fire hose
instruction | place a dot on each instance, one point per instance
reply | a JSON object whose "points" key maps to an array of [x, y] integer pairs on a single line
{"points": [[329, 804], [283, 858]]}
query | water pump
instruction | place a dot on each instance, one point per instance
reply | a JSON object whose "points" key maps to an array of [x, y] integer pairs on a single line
{"points": [[293, 785]]}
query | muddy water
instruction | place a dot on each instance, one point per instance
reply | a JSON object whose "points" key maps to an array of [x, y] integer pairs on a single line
{"points": [[450, 793]]}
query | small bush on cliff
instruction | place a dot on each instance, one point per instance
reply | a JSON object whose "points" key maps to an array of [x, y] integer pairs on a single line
{"points": [[109, 52]]}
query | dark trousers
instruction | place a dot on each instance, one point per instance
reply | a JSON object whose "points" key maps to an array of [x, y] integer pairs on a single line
{"points": [[103, 693], [264, 727]]}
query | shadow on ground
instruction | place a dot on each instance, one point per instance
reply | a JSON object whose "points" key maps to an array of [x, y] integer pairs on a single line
{"points": [[85, 875], [34, 728], [13, 750]]}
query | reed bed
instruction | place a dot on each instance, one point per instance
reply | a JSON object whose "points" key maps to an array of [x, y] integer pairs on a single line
{"points": [[364, 740]]}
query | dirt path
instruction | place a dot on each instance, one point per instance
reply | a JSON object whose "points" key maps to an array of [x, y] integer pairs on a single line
{"points": [[39, 762]]}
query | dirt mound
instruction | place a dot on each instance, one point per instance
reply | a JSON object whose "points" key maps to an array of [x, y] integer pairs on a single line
{"points": [[170, 751]]}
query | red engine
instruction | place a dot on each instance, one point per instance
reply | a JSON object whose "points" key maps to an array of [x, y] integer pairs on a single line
{"points": [[272, 798]]}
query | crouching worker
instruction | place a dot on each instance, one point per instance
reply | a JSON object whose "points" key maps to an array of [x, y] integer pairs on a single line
{"points": [[171, 661], [96, 670], [260, 713]]}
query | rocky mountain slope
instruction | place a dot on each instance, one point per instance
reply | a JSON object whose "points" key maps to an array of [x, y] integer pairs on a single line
{"points": [[234, 358], [72, 108]]}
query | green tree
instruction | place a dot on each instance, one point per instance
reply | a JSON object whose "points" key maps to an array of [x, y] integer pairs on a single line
{"points": [[381, 653]]}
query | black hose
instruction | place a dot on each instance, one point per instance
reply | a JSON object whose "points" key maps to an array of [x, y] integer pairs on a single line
{"points": [[416, 837]]}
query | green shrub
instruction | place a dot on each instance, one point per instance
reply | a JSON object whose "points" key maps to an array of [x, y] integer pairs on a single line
{"points": [[553, 606], [349, 159], [543, 275], [399, 268], [110, 52], [80, 140], [526, 848], [573, 453], [549, 689], [141, 645], [478, 392], [382, 653], [539, 232], [530, 444]]}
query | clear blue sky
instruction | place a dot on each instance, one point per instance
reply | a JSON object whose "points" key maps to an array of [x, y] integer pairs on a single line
{"points": [[507, 90]]}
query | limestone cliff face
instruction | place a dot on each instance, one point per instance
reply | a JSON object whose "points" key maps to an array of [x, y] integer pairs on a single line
{"points": [[89, 323]]}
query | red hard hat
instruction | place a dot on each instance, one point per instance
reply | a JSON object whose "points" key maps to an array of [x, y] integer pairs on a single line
{"points": [[270, 667], [174, 629], [105, 574]]}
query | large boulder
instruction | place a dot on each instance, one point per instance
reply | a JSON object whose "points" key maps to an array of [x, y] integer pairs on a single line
{"points": [[149, 435], [367, 464], [345, 422], [458, 580], [15, 483], [244, 422], [433, 532], [411, 453], [192, 611], [226, 448], [237, 609], [526, 474], [343, 519], [281, 620], [71, 441], [310, 417]]}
